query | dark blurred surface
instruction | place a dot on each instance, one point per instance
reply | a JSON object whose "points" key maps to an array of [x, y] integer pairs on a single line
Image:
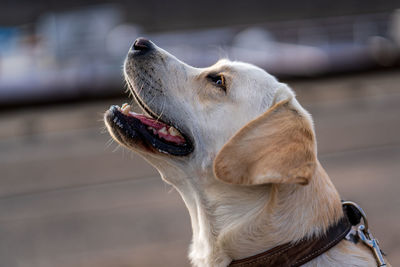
{"points": [[70, 198], [156, 15]]}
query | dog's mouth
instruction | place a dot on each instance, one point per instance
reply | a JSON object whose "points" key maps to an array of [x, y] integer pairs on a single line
{"points": [[130, 127]]}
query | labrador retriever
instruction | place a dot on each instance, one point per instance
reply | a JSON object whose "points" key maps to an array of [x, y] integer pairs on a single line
{"points": [[240, 150]]}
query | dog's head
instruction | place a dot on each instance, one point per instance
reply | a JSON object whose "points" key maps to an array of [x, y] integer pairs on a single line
{"points": [[232, 117]]}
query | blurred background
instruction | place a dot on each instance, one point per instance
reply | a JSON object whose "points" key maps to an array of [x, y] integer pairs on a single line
{"points": [[71, 197]]}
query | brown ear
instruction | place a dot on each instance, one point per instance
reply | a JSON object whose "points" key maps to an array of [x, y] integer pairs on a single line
{"points": [[276, 147]]}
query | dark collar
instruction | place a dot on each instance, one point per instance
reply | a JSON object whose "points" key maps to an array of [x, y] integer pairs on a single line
{"points": [[303, 251]]}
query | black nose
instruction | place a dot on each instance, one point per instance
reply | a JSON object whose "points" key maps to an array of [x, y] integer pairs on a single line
{"points": [[142, 45]]}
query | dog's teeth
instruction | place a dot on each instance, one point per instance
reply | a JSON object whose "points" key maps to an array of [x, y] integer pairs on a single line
{"points": [[163, 130], [115, 120], [126, 108], [174, 132]]}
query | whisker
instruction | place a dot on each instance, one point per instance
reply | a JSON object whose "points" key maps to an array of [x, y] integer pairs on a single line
{"points": [[149, 103], [141, 88], [162, 111], [109, 142], [103, 130], [127, 88], [116, 149]]}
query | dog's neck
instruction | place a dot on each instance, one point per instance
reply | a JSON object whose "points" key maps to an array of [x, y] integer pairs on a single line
{"points": [[234, 222]]}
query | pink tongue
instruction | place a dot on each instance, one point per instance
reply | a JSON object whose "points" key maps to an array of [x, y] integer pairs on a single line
{"points": [[148, 121], [158, 126]]}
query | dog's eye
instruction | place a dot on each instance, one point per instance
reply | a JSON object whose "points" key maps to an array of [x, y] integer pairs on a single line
{"points": [[218, 80]]}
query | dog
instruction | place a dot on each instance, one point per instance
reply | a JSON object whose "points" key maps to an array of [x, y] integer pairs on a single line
{"points": [[240, 150]]}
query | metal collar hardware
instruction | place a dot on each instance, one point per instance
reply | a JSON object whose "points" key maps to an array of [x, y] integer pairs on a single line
{"points": [[365, 235]]}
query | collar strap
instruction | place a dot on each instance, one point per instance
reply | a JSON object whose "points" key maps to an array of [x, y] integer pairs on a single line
{"points": [[301, 252]]}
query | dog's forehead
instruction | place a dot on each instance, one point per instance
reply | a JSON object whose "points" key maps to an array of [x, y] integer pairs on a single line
{"points": [[234, 66], [244, 71]]}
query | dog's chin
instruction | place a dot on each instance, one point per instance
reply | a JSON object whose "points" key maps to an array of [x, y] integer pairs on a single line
{"points": [[144, 133]]}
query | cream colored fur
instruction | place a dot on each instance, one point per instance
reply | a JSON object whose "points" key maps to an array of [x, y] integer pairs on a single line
{"points": [[253, 181]]}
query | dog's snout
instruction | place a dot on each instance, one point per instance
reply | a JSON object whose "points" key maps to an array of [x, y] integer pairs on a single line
{"points": [[142, 45]]}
